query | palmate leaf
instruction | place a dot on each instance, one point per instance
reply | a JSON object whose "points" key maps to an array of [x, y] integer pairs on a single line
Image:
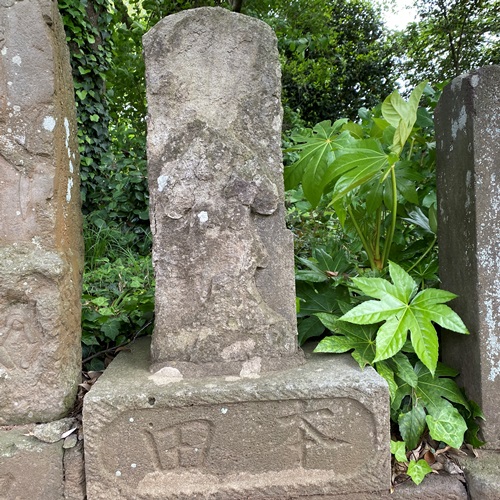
{"points": [[308, 328], [436, 394], [358, 164], [404, 312], [435, 391], [316, 154], [320, 297], [360, 339]]}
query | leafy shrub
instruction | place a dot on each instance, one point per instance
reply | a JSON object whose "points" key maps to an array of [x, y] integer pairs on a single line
{"points": [[118, 291], [368, 189]]}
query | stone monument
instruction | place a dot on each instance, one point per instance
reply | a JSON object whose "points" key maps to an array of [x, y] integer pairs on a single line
{"points": [[40, 226], [468, 179], [223, 257], [224, 406]]}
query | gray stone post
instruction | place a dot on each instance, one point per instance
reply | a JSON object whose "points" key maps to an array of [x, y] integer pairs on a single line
{"points": [[468, 179], [40, 219], [223, 257]]}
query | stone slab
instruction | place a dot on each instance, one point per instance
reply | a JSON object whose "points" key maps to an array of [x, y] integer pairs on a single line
{"points": [[321, 428], [468, 187], [483, 475], [222, 254], [29, 468], [41, 244], [433, 487]]}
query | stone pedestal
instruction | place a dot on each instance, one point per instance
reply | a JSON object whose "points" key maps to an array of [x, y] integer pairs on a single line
{"points": [[468, 179], [318, 429], [40, 225]]}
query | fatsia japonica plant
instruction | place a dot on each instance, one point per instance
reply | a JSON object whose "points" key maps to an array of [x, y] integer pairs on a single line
{"points": [[377, 176]]}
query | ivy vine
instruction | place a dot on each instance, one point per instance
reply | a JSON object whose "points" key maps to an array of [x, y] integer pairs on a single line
{"points": [[86, 25]]}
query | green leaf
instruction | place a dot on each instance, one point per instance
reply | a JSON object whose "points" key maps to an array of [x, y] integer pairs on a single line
{"points": [[402, 115], [316, 153], [412, 426], [314, 274], [417, 217], [334, 344], [424, 339], [405, 286], [373, 311], [447, 425], [398, 449], [361, 339], [336, 262], [354, 169], [309, 327], [391, 337], [447, 318], [436, 392], [404, 369], [387, 373], [89, 338], [82, 94], [321, 297], [404, 311], [375, 287], [418, 470], [311, 276], [111, 328]]}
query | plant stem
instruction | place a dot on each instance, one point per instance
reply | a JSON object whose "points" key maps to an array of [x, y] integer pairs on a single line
{"points": [[392, 228], [429, 248], [378, 223], [364, 242]]}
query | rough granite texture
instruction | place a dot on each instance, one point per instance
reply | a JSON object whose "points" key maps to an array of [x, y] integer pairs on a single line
{"points": [[41, 469], [223, 257], [483, 475], [40, 224], [468, 182], [318, 429]]}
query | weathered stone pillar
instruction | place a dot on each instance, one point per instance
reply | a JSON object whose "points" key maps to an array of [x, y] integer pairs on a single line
{"points": [[229, 409], [468, 178], [40, 222], [223, 257]]}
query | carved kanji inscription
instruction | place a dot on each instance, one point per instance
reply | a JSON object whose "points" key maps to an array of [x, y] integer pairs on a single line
{"points": [[247, 437], [182, 445]]}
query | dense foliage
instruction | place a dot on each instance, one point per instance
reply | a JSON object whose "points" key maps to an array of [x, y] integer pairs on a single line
{"points": [[335, 55], [450, 38], [87, 32], [378, 175]]}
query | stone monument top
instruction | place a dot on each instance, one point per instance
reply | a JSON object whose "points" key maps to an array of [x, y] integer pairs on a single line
{"points": [[223, 258]]}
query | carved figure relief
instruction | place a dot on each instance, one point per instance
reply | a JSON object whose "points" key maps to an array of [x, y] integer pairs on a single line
{"points": [[18, 341]]}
